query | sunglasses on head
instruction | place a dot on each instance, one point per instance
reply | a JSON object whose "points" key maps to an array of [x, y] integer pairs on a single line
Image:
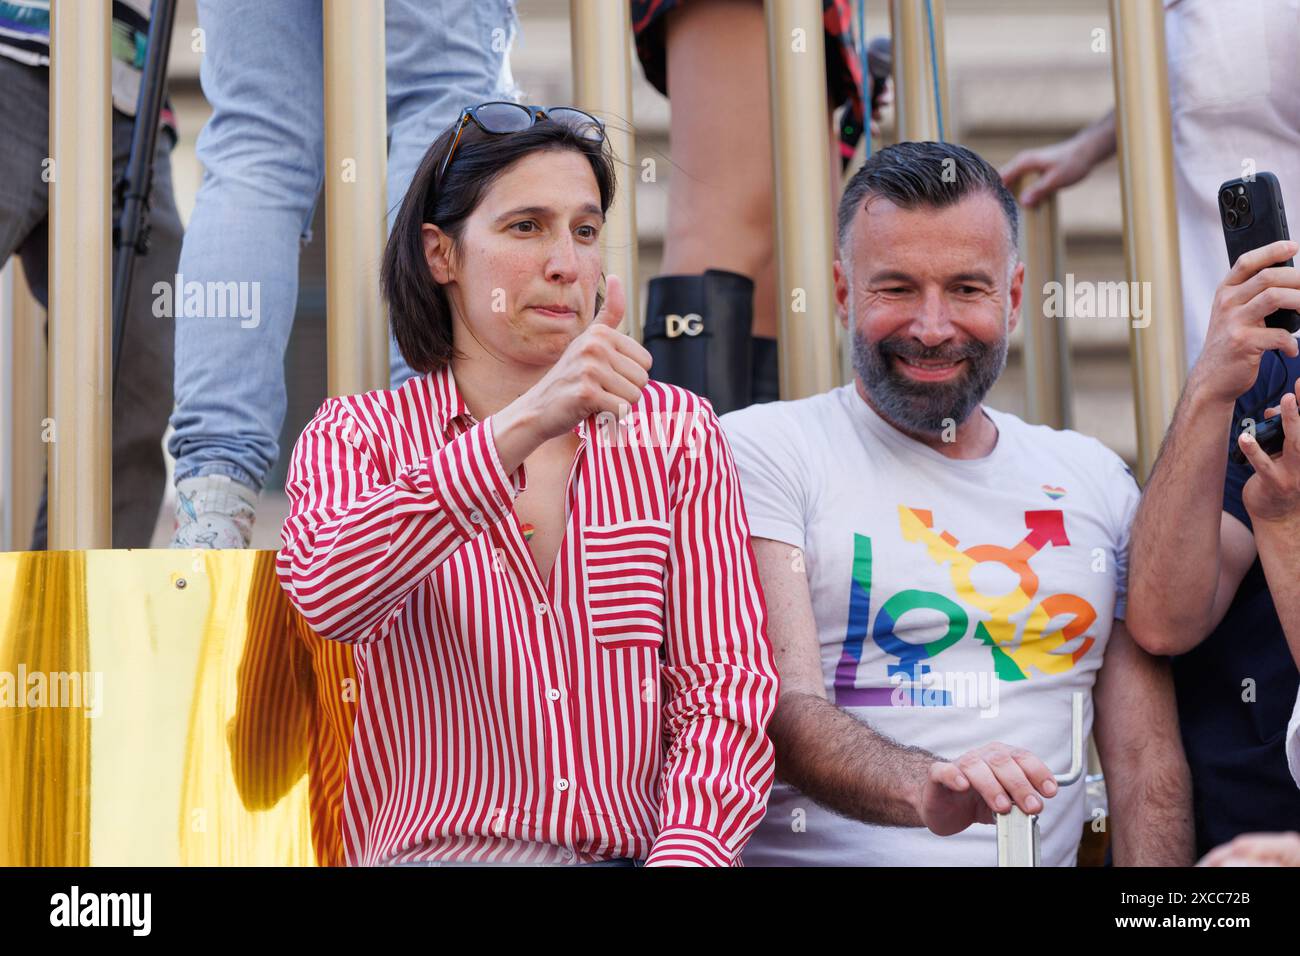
{"points": [[500, 116]]}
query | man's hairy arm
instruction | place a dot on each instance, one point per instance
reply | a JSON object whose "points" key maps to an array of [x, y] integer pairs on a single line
{"points": [[850, 768], [1147, 780], [1174, 560], [823, 751]]}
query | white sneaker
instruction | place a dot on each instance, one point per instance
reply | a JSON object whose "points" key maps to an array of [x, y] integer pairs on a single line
{"points": [[213, 511]]}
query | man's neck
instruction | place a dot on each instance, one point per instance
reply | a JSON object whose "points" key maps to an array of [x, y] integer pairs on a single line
{"points": [[976, 437]]}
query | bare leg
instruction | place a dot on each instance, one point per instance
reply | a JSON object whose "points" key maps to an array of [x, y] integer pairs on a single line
{"points": [[720, 206], [720, 213]]}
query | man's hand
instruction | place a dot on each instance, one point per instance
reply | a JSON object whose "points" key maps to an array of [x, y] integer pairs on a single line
{"points": [[878, 105], [601, 370], [1256, 849], [1254, 289], [1059, 165], [980, 782], [1272, 493]]}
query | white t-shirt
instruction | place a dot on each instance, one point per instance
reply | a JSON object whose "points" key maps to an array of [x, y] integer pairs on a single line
{"points": [[994, 581], [1233, 109], [1293, 742]]}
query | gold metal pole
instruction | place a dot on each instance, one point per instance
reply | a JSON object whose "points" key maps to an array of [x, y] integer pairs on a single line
{"points": [[24, 406], [1045, 338], [804, 225], [913, 73], [600, 33], [80, 255], [1150, 218], [355, 175]]}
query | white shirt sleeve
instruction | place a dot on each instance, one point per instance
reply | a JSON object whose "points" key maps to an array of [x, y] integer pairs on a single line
{"points": [[1122, 490], [1293, 742], [772, 459]]}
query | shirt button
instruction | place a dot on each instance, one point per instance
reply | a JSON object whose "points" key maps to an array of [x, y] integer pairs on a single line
{"points": [[476, 516], [540, 608], [562, 785], [553, 694]]}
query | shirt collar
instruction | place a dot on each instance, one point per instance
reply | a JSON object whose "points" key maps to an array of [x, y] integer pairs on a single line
{"points": [[449, 406]]}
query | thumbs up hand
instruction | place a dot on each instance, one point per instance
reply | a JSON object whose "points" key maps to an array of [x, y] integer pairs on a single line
{"points": [[602, 370]]}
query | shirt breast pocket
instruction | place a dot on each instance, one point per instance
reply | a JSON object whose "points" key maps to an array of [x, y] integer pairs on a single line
{"points": [[626, 564]]}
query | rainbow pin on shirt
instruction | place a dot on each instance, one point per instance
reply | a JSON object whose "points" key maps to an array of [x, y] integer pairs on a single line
{"points": [[527, 530]]}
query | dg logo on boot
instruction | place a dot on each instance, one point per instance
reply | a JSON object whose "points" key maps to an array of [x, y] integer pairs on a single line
{"points": [[676, 325]]}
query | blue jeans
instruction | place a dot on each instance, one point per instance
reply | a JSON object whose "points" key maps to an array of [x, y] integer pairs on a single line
{"points": [[144, 389], [263, 156]]}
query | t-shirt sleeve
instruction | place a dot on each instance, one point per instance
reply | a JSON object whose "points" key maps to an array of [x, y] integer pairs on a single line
{"points": [[1266, 392], [1122, 491], [1293, 742], [771, 458]]}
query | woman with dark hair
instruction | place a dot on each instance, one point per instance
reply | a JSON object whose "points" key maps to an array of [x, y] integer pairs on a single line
{"points": [[539, 555]]}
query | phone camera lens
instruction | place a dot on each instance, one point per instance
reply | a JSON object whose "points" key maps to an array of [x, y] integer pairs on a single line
{"points": [[1230, 218], [1243, 205], [1225, 197]]}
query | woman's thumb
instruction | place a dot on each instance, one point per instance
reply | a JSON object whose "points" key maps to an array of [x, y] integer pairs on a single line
{"points": [[615, 302]]}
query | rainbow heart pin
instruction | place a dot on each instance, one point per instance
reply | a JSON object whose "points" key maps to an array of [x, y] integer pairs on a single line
{"points": [[1053, 492]]}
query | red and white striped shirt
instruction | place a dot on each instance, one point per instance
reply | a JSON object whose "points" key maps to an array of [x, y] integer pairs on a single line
{"points": [[617, 710]]}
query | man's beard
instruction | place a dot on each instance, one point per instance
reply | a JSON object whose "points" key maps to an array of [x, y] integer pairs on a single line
{"points": [[926, 407]]}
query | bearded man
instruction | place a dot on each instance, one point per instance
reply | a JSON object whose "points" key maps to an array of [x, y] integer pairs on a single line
{"points": [[939, 574]]}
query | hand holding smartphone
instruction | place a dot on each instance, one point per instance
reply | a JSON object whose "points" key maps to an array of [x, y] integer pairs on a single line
{"points": [[1253, 215]]}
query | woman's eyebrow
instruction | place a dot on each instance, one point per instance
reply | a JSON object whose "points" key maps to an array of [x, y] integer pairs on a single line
{"points": [[543, 212], [546, 212]]}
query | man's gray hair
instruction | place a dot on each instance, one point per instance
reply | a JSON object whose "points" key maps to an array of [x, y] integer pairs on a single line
{"points": [[913, 174]]}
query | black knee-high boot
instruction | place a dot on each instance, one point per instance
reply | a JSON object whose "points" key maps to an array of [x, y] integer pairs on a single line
{"points": [[697, 331]]}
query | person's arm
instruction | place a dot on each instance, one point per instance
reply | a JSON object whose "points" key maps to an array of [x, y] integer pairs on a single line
{"points": [[1272, 500], [356, 545], [719, 681], [1179, 587], [1279, 553], [1148, 784], [848, 767], [1181, 575], [1256, 849], [1061, 164]]}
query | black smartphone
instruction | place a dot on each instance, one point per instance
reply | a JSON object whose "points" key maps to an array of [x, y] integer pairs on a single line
{"points": [[1253, 215], [1268, 432]]}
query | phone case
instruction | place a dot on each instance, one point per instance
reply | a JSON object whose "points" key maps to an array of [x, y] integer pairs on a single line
{"points": [[1256, 217]]}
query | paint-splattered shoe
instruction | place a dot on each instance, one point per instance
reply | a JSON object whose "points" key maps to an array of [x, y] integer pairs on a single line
{"points": [[214, 511]]}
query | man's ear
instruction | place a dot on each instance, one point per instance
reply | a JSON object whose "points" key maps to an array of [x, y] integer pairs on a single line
{"points": [[1017, 293], [841, 293], [437, 252]]}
